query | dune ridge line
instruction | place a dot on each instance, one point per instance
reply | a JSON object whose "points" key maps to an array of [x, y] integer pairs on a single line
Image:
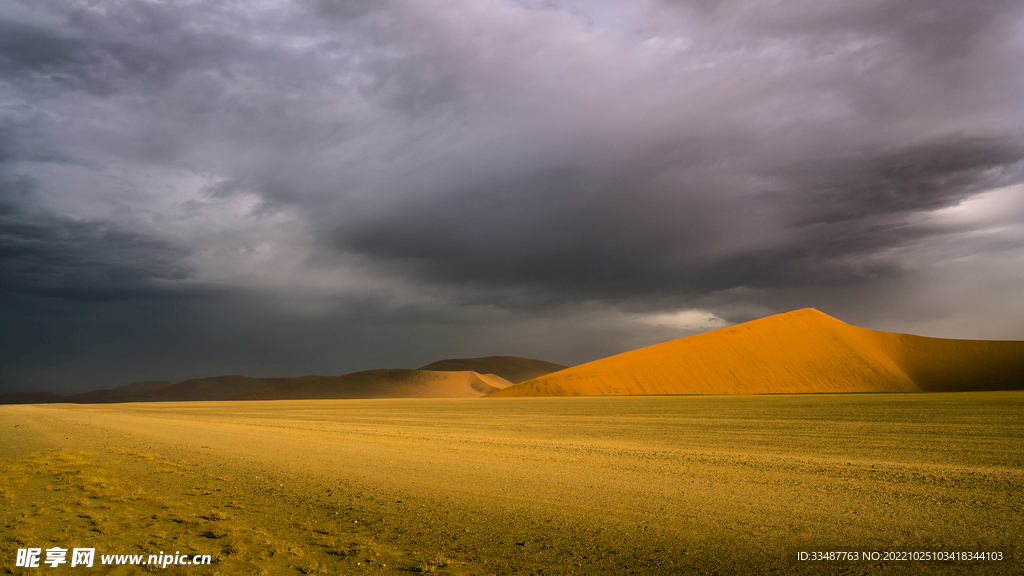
{"points": [[803, 351]]}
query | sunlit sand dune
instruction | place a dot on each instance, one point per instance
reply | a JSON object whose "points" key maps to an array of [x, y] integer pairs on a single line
{"points": [[383, 384], [511, 368], [804, 351]]}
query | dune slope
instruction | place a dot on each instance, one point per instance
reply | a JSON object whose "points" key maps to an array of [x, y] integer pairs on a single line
{"points": [[804, 351], [511, 368], [395, 383]]}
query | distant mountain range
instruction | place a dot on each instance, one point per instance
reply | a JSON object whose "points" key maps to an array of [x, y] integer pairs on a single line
{"points": [[511, 368], [383, 384], [462, 377], [804, 351]]}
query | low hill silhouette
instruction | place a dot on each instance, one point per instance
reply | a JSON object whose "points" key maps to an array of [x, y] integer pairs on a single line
{"points": [[802, 351], [511, 368], [464, 377], [195, 389], [31, 398], [216, 388], [395, 383], [444, 379]]}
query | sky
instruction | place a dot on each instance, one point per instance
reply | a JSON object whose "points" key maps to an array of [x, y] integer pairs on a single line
{"points": [[278, 187]]}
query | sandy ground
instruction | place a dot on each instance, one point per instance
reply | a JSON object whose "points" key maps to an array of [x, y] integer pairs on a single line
{"points": [[599, 485]]}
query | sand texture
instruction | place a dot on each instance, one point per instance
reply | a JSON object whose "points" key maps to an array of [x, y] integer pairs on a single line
{"points": [[804, 351], [396, 383], [657, 485], [510, 368]]}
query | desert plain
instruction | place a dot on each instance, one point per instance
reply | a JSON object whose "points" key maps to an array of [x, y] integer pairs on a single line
{"points": [[700, 484]]}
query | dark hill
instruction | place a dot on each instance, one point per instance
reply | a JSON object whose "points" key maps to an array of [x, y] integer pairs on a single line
{"points": [[511, 368]]}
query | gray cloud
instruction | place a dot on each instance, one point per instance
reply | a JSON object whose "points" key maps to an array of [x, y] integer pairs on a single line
{"points": [[45, 254], [474, 173], [921, 177], [621, 233]]}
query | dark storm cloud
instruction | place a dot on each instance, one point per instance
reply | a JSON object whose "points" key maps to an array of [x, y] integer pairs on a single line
{"points": [[49, 255], [823, 190], [618, 234], [922, 177], [102, 51], [485, 173]]}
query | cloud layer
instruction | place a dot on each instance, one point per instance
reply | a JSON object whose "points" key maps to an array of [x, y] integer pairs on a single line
{"points": [[382, 182]]}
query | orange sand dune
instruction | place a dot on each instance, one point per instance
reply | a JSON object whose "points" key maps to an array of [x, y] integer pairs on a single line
{"points": [[511, 368], [801, 351], [383, 384]]}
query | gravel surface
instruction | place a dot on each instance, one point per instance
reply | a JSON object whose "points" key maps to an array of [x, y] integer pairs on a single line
{"points": [[605, 485]]}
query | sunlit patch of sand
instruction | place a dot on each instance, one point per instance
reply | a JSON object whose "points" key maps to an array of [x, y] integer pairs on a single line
{"points": [[636, 484]]}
